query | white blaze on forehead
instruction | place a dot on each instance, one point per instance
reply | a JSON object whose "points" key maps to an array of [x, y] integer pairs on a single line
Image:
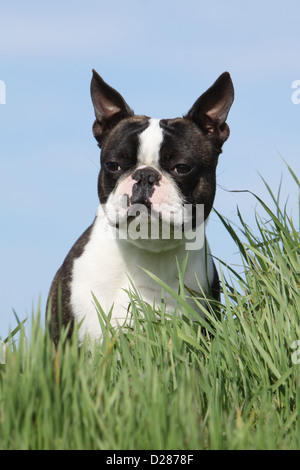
{"points": [[150, 143]]}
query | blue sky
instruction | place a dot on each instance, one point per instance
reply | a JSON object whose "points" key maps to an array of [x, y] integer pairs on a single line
{"points": [[161, 55]]}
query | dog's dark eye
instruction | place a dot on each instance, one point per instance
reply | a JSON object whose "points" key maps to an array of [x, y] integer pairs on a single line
{"points": [[182, 169], [113, 166]]}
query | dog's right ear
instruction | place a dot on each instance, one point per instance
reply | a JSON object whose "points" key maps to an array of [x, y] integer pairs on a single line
{"points": [[110, 107]]}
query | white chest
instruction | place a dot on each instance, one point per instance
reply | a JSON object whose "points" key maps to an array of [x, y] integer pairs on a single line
{"points": [[106, 267]]}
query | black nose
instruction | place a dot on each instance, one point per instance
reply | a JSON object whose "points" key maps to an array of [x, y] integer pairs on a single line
{"points": [[146, 176], [146, 179]]}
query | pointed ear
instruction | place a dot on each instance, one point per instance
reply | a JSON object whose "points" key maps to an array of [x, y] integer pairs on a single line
{"points": [[109, 106], [210, 111]]}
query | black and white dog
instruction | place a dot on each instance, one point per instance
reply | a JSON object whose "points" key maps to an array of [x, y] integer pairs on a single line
{"points": [[160, 164]]}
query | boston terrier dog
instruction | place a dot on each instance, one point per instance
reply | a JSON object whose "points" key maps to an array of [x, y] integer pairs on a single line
{"points": [[160, 166]]}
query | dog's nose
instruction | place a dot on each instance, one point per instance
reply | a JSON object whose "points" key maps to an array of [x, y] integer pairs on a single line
{"points": [[146, 176]]}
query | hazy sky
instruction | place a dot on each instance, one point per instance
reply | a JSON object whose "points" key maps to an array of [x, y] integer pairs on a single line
{"points": [[161, 55]]}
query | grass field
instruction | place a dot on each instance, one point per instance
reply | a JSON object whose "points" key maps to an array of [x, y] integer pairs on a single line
{"points": [[169, 383]]}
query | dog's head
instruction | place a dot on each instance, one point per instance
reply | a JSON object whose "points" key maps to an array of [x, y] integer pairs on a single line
{"points": [[161, 164]]}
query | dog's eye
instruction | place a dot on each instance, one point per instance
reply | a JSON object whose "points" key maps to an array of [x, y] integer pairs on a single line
{"points": [[182, 169], [113, 166]]}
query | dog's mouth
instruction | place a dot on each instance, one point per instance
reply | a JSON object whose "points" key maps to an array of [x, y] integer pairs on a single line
{"points": [[166, 225], [147, 214]]}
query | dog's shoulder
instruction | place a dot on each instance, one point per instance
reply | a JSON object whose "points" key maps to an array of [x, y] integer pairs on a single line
{"points": [[58, 309]]}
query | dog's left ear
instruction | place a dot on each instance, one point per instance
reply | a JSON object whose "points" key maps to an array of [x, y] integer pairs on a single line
{"points": [[109, 106], [210, 111]]}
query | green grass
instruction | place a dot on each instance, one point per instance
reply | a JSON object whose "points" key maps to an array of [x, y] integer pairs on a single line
{"points": [[168, 383]]}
